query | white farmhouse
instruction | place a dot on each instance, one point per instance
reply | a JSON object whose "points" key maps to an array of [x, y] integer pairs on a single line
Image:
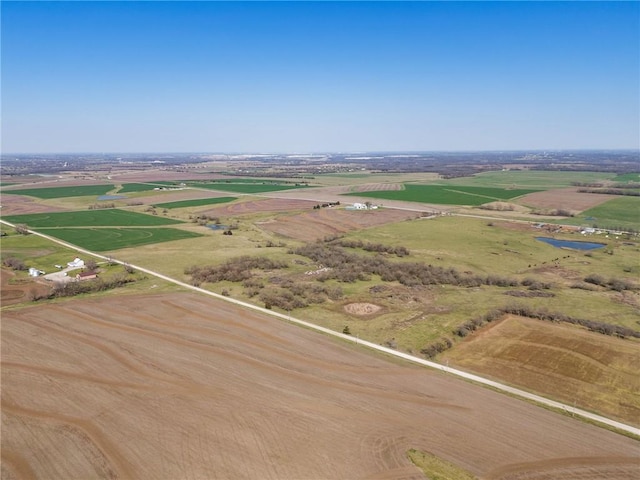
{"points": [[77, 263]]}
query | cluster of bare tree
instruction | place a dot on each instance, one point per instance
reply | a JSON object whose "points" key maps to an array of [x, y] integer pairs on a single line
{"points": [[399, 251], [71, 289], [348, 267], [629, 191], [204, 219], [289, 295], [99, 206], [498, 207], [553, 212], [14, 263], [234, 270], [616, 284]]}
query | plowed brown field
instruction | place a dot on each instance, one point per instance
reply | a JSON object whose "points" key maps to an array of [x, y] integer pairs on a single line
{"points": [[564, 198], [21, 205], [274, 205], [325, 222], [184, 387]]}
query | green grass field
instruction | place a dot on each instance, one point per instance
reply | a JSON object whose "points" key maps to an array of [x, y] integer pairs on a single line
{"points": [[196, 202], [446, 195], [62, 192], [627, 177], [90, 218], [36, 251], [536, 179], [246, 187], [136, 187], [618, 213], [106, 239]]}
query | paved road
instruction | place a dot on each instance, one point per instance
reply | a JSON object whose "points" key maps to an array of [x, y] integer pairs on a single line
{"points": [[459, 373]]}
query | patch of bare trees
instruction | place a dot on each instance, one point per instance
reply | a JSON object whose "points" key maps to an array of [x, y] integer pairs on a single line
{"points": [[235, 270], [14, 263]]}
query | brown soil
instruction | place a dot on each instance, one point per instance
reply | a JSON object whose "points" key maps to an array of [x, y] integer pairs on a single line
{"points": [[376, 187], [20, 205], [184, 386], [564, 198], [11, 294], [326, 222], [274, 205], [362, 308]]}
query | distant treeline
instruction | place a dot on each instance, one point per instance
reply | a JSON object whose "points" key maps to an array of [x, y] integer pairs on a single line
{"points": [[627, 191]]}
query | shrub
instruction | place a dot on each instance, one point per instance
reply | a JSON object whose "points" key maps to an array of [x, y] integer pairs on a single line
{"points": [[14, 263], [22, 229]]}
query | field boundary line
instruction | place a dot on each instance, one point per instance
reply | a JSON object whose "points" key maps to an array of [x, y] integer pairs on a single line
{"points": [[427, 363]]}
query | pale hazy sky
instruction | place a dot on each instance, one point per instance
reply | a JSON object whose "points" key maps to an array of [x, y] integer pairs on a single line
{"points": [[325, 76]]}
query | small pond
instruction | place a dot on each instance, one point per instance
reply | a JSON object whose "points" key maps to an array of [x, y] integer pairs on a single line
{"points": [[575, 245], [214, 226], [111, 197]]}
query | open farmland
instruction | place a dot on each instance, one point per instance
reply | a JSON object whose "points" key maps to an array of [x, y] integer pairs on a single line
{"points": [[248, 207], [446, 195], [247, 188], [136, 187], [536, 179], [181, 386], [91, 218], [196, 202], [62, 192], [627, 177], [617, 213], [107, 239], [565, 198], [19, 205], [325, 222], [569, 363]]}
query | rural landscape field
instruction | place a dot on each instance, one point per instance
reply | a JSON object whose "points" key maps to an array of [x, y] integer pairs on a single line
{"points": [[130, 375]]}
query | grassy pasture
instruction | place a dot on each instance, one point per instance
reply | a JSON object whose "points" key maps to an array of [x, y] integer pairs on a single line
{"points": [[621, 212], [136, 187], [91, 218], [334, 179], [36, 251], [535, 179], [446, 195], [107, 239], [250, 180], [565, 362], [627, 177], [196, 202], [62, 192]]}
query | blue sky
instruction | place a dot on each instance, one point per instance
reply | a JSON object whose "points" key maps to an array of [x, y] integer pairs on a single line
{"points": [[319, 76]]}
